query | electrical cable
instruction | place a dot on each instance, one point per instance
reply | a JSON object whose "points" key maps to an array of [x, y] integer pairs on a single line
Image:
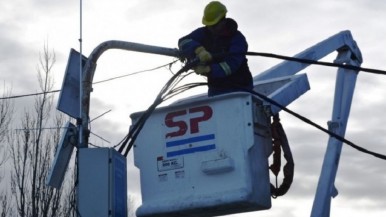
{"points": [[304, 119], [26, 95], [159, 100], [99, 116], [265, 98], [186, 67], [314, 62], [184, 88], [134, 73], [280, 141], [269, 55], [110, 79], [134, 131], [140, 123], [171, 94]]}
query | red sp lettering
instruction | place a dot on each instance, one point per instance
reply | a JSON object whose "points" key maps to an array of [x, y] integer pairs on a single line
{"points": [[181, 125], [169, 122]]}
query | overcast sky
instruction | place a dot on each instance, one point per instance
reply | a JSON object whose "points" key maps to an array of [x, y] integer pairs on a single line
{"points": [[284, 27]]}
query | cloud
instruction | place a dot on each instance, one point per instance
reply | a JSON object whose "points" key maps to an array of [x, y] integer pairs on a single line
{"points": [[281, 27], [13, 67]]}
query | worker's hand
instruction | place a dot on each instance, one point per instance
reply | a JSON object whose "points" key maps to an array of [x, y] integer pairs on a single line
{"points": [[202, 70], [203, 54]]}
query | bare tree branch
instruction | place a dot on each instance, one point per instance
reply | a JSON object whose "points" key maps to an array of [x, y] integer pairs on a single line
{"points": [[32, 151]]}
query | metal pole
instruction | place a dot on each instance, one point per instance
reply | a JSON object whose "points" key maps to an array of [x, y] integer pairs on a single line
{"points": [[90, 67], [79, 119], [86, 82], [80, 131]]}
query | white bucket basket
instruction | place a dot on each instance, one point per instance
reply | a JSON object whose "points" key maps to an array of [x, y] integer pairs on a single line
{"points": [[205, 157]]}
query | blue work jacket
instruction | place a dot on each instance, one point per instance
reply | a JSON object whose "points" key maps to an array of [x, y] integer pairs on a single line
{"points": [[229, 69]]}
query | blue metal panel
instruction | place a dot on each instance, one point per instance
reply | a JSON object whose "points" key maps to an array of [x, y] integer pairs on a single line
{"points": [[62, 156], [69, 100], [119, 190], [102, 183]]}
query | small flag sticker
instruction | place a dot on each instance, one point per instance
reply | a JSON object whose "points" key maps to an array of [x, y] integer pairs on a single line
{"points": [[190, 145]]}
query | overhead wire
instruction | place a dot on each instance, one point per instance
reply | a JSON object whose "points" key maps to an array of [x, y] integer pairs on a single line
{"points": [[98, 82], [110, 79], [265, 98], [306, 120], [315, 62], [134, 73], [262, 54], [133, 133], [26, 95], [160, 98]]}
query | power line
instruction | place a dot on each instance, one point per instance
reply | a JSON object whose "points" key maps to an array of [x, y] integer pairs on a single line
{"points": [[134, 73], [314, 62], [99, 116], [306, 120], [32, 94], [269, 55], [110, 79], [135, 130], [175, 92]]}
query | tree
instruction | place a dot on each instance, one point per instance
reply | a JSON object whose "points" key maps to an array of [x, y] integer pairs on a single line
{"points": [[6, 111], [32, 150]]}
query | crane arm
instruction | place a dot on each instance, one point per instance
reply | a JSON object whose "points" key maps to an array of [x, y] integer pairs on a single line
{"points": [[338, 42]]}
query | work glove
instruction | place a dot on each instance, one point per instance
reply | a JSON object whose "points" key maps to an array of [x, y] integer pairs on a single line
{"points": [[202, 70], [203, 54]]}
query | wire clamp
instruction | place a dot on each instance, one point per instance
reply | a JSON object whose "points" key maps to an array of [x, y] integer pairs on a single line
{"points": [[333, 126]]}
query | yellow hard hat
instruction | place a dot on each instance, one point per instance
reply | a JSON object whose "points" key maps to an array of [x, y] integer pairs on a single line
{"points": [[213, 13]]}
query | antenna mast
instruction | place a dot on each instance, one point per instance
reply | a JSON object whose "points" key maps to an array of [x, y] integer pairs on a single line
{"points": [[80, 118], [80, 78]]}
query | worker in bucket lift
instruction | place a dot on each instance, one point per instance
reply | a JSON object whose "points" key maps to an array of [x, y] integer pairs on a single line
{"points": [[221, 49]]}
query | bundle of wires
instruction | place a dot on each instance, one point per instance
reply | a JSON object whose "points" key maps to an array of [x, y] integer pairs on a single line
{"points": [[169, 90]]}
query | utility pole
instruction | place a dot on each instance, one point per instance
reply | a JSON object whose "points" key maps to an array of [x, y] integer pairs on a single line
{"points": [[87, 74]]}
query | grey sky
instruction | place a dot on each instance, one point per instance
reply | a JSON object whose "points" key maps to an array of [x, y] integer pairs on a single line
{"points": [[283, 27]]}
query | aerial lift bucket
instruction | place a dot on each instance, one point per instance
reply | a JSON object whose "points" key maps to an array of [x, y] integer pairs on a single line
{"points": [[205, 157], [208, 156]]}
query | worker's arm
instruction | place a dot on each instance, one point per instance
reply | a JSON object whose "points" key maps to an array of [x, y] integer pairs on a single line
{"points": [[231, 61], [189, 43]]}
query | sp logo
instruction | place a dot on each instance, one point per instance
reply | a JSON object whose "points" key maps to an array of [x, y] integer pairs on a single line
{"points": [[199, 114]]}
